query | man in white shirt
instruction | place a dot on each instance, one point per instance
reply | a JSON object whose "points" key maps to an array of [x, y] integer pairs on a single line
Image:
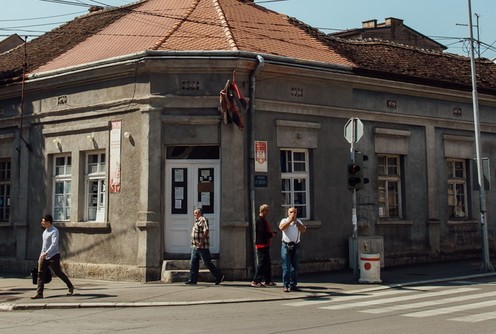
{"points": [[291, 228], [50, 257]]}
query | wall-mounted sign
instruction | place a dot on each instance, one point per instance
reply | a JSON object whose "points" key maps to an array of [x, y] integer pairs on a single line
{"points": [[115, 156], [261, 181], [261, 156]]}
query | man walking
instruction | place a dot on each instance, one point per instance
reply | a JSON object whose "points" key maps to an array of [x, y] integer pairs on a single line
{"points": [[199, 249], [50, 258], [291, 228]]}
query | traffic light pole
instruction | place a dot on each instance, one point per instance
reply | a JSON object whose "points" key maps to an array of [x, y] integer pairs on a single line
{"points": [[353, 131], [354, 218]]}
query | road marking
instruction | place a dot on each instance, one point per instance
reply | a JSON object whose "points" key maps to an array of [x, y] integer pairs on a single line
{"points": [[396, 299], [354, 295], [452, 309], [476, 317], [429, 303]]}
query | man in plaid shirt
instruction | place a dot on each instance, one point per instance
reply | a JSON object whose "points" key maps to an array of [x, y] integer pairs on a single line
{"points": [[199, 249]]}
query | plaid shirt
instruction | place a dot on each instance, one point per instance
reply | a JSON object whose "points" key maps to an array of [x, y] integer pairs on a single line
{"points": [[199, 228]]}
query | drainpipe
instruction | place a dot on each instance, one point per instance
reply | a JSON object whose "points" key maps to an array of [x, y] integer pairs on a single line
{"points": [[251, 158]]}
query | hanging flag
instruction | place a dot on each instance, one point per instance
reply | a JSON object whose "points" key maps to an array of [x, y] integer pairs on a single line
{"points": [[232, 104]]}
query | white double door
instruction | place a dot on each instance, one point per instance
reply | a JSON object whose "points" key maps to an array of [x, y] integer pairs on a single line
{"points": [[191, 184]]}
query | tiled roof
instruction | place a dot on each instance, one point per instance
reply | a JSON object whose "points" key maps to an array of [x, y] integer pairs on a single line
{"points": [[54, 43], [200, 25], [400, 62], [230, 25]]}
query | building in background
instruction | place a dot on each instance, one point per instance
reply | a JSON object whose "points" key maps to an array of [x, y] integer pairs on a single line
{"points": [[120, 135]]}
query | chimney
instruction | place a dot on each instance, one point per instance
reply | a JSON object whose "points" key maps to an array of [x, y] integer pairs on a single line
{"points": [[369, 24], [391, 21]]}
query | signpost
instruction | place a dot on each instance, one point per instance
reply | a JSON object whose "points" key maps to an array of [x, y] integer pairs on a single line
{"points": [[353, 132]]}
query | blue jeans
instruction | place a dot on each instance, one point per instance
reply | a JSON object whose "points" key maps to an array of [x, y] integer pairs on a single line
{"points": [[290, 265], [194, 263]]}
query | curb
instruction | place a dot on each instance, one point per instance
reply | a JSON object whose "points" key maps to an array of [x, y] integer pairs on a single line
{"points": [[43, 306]]}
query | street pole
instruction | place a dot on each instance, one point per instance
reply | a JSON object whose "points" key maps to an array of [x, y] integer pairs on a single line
{"points": [[486, 265], [354, 219]]}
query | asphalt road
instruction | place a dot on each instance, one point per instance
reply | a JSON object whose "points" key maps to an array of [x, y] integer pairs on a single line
{"points": [[450, 307]]}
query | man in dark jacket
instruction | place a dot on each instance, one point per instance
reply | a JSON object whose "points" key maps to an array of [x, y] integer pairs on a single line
{"points": [[263, 238]]}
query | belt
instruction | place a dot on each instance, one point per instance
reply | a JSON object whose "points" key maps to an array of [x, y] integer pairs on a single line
{"points": [[287, 243]]}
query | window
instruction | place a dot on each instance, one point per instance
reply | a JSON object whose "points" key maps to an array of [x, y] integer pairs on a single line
{"points": [[457, 188], [62, 188], [95, 187], [388, 172], [295, 182], [4, 190]]}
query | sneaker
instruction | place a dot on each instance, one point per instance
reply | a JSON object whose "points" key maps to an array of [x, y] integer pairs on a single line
{"points": [[270, 284], [37, 296], [71, 291], [190, 283], [219, 279], [257, 284]]}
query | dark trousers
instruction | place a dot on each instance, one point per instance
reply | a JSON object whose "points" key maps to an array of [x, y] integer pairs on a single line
{"points": [[194, 263], [54, 264], [264, 270]]}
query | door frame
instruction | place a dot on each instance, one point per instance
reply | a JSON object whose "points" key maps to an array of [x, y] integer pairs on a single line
{"points": [[171, 230]]}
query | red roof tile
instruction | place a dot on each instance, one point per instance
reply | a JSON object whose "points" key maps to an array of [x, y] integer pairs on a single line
{"points": [[382, 59], [209, 25]]}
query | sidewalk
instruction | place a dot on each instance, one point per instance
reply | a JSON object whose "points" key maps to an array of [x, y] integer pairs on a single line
{"points": [[15, 292]]}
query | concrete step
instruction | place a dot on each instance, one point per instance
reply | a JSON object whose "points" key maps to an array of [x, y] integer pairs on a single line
{"points": [[174, 271]]}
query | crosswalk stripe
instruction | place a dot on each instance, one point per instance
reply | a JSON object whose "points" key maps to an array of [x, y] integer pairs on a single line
{"points": [[429, 303], [359, 295], [396, 299], [452, 309], [476, 317]]}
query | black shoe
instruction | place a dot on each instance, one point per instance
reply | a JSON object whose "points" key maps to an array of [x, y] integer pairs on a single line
{"points": [[70, 292], [190, 283], [219, 279], [295, 288], [37, 296]]}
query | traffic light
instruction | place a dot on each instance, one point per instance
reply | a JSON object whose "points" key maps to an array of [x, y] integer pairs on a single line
{"points": [[355, 172]]}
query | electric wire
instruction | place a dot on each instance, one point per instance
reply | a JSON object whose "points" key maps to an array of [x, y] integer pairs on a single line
{"points": [[141, 19]]}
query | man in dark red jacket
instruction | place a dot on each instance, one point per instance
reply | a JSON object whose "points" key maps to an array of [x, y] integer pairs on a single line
{"points": [[263, 238]]}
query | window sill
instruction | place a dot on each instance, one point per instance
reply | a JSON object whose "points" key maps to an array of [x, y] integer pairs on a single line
{"points": [[5, 224], [83, 225], [462, 222], [394, 222], [312, 223]]}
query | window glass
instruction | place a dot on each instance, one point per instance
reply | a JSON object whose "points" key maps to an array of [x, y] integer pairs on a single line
{"points": [[95, 186], [5, 190], [457, 189], [62, 188], [389, 186], [295, 182]]}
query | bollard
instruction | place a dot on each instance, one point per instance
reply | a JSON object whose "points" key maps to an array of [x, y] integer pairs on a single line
{"points": [[370, 268]]}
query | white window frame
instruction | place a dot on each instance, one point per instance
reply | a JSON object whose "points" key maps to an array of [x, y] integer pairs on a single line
{"points": [[95, 199], [387, 200], [5, 188], [292, 177], [62, 174], [457, 209]]}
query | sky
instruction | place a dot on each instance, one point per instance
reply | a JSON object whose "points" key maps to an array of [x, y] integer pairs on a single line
{"points": [[445, 21]]}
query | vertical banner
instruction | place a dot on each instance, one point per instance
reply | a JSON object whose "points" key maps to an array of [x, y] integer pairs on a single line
{"points": [[261, 156], [115, 157]]}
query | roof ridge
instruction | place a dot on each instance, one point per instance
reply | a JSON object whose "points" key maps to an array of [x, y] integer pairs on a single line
{"points": [[379, 41], [176, 26], [225, 25]]}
